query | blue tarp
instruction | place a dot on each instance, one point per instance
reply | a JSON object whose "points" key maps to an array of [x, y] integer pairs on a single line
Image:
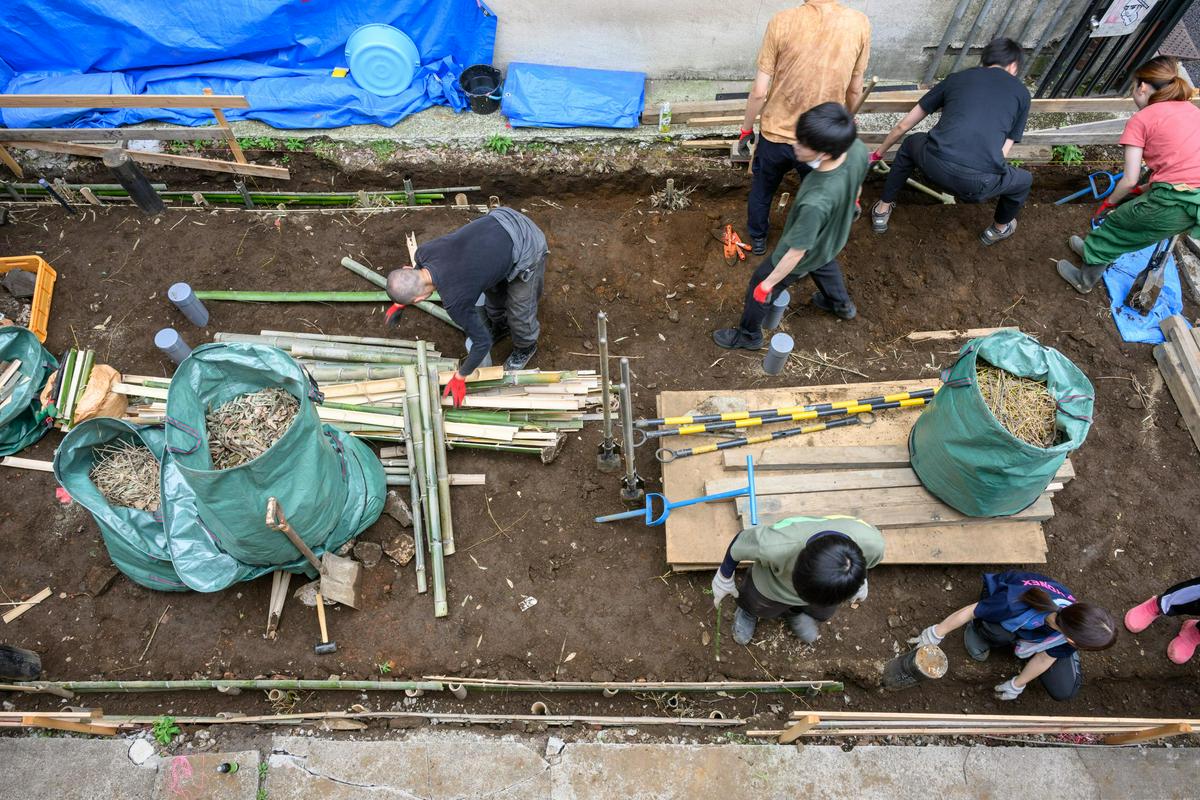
{"points": [[1118, 279], [544, 96], [278, 53]]}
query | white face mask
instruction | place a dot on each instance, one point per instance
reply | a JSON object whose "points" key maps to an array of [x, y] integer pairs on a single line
{"points": [[814, 164]]}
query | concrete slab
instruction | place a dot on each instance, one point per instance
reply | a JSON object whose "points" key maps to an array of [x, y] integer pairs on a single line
{"points": [[195, 777], [71, 769], [432, 766]]}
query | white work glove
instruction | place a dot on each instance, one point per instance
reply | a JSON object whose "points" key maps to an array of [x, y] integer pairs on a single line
{"points": [[861, 594], [928, 636], [722, 587], [1009, 690]]}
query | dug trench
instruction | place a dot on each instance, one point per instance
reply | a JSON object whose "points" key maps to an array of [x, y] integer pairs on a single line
{"points": [[608, 607]]}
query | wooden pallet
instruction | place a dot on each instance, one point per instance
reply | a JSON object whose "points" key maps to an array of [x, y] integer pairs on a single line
{"points": [[697, 536]]}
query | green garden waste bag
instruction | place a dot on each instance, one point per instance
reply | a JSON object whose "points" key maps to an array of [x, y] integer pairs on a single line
{"points": [[19, 423], [965, 457], [330, 485], [136, 541]]}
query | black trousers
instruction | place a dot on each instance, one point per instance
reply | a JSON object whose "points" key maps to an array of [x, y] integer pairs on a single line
{"points": [[772, 162], [753, 603], [1010, 190], [1182, 599], [1064, 678], [828, 279]]}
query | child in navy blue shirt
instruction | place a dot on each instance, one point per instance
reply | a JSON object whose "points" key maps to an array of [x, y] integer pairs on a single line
{"points": [[1043, 622]]}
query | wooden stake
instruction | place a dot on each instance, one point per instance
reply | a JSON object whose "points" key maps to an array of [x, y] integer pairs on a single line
{"points": [[28, 604], [31, 721], [801, 726], [1150, 734], [11, 163], [223, 124]]}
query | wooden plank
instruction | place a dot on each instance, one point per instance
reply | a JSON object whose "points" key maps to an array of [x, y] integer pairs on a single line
{"points": [[1176, 330], [25, 606], [819, 457], [36, 721], [972, 543], [122, 101], [468, 479], [801, 726], [106, 134], [1150, 734], [10, 162], [1185, 397], [820, 481], [948, 335], [168, 159], [916, 515], [27, 463], [488, 432], [870, 498], [230, 139]]}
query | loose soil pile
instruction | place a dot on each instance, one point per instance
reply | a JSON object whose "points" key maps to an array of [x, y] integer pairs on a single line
{"points": [[1124, 528]]}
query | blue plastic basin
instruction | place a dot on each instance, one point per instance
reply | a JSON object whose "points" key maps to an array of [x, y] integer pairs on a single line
{"points": [[383, 60]]}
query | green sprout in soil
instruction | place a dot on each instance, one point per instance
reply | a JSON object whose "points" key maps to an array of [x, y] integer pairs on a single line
{"points": [[323, 149], [176, 146], [293, 144], [384, 667], [262, 769], [383, 148], [1016, 162], [498, 144], [1068, 154], [257, 143], [164, 730]]}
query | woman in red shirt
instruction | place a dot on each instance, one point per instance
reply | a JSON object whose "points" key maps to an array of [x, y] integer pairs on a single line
{"points": [[1165, 133]]}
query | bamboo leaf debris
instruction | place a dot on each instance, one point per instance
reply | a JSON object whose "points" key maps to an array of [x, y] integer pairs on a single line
{"points": [[126, 474], [242, 429]]}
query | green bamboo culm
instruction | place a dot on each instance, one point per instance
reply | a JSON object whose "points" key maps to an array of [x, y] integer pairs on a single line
{"points": [[294, 297], [85, 687], [379, 280]]}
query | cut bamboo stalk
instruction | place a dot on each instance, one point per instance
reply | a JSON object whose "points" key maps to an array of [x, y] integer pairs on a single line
{"points": [[384, 421], [328, 353], [410, 450], [429, 481], [82, 373], [379, 280], [526, 403], [136, 390], [1014, 718], [67, 383], [495, 684], [265, 684], [443, 473], [376, 341], [27, 463], [395, 386], [293, 297], [948, 335], [10, 372], [464, 479], [439, 717], [10, 616], [464, 430], [288, 342]]}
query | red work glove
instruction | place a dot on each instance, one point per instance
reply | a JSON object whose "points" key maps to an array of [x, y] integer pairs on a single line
{"points": [[394, 313], [456, 388], [761, 293], [1102, 211], [746, 140], [876, 156]]}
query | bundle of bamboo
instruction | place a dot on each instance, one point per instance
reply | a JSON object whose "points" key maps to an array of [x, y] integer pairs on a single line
{"points": [[71, 380]]}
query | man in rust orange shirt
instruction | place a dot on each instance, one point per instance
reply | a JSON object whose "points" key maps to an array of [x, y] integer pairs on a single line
{"points": [[811, 54]]}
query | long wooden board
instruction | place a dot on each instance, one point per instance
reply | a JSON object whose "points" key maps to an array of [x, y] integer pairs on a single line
{"points": [[189, 162], [839, 480], [697, 536], [911, 515], [1171, 367], [125, 101], [818, 457]]}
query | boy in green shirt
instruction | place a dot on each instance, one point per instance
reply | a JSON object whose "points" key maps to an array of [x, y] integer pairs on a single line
{"points": [[803, 567], [817, 228]]}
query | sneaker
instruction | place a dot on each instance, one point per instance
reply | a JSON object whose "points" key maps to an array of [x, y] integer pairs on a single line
{"points": [[519, 357], [822, 302], [805, 627], [758, 245], [977, 648], [1138, 618], [1076, 245], [879, 219], [991, 234], [737, 339], [743, 626], [1183, 646]]}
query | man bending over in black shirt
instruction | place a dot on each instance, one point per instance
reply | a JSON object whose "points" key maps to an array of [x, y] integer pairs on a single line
{"points": [[984, 110]]}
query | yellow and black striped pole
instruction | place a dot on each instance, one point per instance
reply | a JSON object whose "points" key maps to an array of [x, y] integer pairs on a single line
{"points": [[666, 455], [735, 416]]}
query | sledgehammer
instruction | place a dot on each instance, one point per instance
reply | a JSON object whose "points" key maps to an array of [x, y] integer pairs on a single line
{"points": [[324, 647]]}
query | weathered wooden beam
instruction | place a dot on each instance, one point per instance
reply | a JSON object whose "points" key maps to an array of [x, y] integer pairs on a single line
{"points": [[122, 101], [916, 515], [106, 134], [167, 159]]}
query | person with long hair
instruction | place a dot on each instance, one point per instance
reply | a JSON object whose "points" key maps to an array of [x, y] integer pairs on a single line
{"points": [[1043, 622], [1165, 134], [1182, 599]]}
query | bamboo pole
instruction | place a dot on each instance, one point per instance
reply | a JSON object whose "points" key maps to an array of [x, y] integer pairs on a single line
{"points": [[411, 450], [415, 441], [293, 297], [287, 342], [379, 280], [439, 717], [375, 341], [89, 360], [496, 685], [329, 353], [429, 478], [443, 472], [332, 684]]}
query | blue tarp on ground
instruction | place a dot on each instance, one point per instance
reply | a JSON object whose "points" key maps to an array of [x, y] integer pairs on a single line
{"points": [[1119, 278], [544, 96], [278, 53]]}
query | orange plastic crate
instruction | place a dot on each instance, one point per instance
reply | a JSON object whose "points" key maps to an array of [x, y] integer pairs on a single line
{"points": [[39, 317]]}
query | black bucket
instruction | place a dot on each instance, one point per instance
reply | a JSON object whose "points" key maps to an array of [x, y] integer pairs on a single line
{"points": [[481, 83]]}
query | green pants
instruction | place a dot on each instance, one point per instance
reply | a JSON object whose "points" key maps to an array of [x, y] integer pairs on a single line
{"points": [[1158, 214]]}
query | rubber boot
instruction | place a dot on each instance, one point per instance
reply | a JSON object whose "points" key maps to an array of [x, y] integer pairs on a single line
{"points": [[805, 627], [1183, 646], [1138, 618], [1076, 245], [977, 646], [743, 626], [1081, 280]]}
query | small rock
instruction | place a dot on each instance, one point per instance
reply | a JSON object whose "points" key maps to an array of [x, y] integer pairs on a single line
{"points": [[141, 751], [7, 706], [401, 549], [547, 516], [587, 345], [673, 315], [705, 638], [395, 507], [345, 549], [307, 594], [651, 385], [685, 608], [554, 746], [99, 579], [369, 553], [894, 621]]}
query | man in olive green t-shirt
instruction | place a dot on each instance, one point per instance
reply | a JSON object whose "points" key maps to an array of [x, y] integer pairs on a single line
{"points": [[801, 569], [818, 225]]}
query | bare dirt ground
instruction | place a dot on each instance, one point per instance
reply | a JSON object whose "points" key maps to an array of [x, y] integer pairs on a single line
{"points": [[1124, 528]]}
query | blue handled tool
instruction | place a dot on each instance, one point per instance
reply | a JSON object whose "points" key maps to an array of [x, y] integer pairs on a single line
{"points": [[654, 519], [1093, 189]]}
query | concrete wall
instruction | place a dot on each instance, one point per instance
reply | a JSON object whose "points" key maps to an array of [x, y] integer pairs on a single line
{"points": [[719, 39]]}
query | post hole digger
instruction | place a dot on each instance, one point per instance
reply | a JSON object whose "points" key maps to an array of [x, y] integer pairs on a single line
{"points": [[341, 578]]}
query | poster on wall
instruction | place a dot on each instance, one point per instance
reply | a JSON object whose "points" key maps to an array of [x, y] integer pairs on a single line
{"points": [[1123, 17]]}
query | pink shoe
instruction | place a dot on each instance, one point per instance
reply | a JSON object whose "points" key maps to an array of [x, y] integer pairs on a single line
{"points": [[1138, 618], [1183, 646]]}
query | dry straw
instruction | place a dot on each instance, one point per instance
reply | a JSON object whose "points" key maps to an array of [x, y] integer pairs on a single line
{"points": [[126, 474], [1023, 406], [245, 427]]}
